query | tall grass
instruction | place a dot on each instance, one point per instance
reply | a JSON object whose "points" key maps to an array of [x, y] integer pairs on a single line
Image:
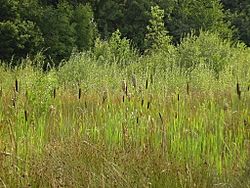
{"points": [[146, 124]]}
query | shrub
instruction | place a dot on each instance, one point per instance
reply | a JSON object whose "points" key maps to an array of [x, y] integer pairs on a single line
{"points": [[207, 49], [116, 50]]}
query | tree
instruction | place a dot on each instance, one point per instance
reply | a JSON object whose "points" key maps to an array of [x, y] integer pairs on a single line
{"points": [[157, 36], [18, 37], [8, 10], [136, 18], [109, 16], [193, 15], [238, 12], [58, 32], [84, 26]]}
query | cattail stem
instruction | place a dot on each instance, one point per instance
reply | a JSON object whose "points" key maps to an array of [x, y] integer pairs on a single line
{"points": [[163, 142]]}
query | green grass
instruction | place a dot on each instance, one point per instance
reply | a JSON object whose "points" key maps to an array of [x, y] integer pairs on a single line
{"points": [[77, 127]]}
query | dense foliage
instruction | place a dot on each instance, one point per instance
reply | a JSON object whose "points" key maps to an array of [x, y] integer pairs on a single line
{"points": [[56, 28]]}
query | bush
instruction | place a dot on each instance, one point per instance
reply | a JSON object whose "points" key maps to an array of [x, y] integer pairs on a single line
{"points": [[207, 49], [116, 50]]}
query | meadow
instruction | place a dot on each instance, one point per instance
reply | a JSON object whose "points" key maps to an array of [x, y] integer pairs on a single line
{"points": [[110, 117]]}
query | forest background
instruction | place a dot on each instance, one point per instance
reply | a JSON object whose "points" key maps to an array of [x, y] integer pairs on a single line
{"points": [[56, 28]]}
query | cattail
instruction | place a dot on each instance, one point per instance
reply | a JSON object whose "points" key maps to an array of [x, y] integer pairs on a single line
{"points": [[1, 92], [13, 102], [178, 97], [134, 80], [26, 94], [148, 105], [248, 88], [54, 93], [142, 102], [150, 100], [25, 115], [124, 85], [129, 96], [161, 117], [139, 89], [245, 122], [151, 78], [79, 93], [225, 106], [137, 120], [188, 88], [123, 98], [146, 84], [238, 90], [16, 86], [105, 96]]}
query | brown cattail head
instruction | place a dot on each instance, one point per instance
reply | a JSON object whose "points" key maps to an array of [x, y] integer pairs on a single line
{"points": [[16, 85], [248, 88], [178, 97], [79, 93], [1, 92], [161, 117], [13, 102], [134, 80], [150, 99], [238, 90], [54, 93], [124, 86], [188, 88], [151, 78], [148, 105], [105, 95], [146, 84], [25, 115], [142, 102], [129, 96], [225, 106], [26, 94]]}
